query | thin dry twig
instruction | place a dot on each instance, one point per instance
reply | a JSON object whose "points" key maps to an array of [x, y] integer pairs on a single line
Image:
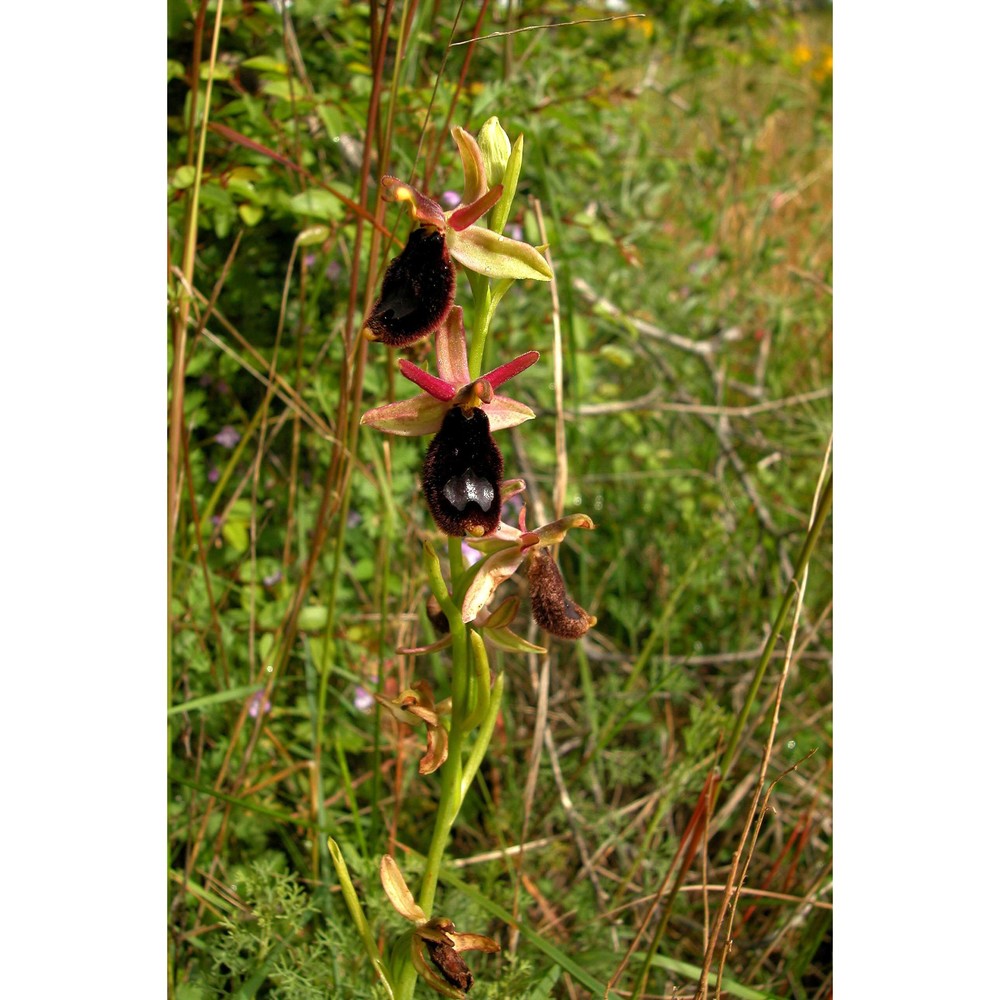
{"points": [[544, 27]]}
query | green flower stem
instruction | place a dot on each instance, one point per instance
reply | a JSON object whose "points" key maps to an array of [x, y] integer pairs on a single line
{"points": [[472, 703], [480, 324]]}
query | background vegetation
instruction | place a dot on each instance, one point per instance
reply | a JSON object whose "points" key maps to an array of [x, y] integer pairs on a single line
{"points": [[681, 165]]}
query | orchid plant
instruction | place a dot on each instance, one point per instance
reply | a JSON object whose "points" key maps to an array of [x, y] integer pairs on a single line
{"points": [[465, 490]]}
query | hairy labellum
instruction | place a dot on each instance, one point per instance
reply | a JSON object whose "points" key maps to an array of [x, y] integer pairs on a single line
{"points": [[417, 291], [551, 607], [462, 473], [451, 964]]}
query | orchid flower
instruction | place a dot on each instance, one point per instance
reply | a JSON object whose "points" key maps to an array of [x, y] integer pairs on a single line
{"points": [[505, 550], [437, 935], [463, 468], [424, 414], [419, 285]]}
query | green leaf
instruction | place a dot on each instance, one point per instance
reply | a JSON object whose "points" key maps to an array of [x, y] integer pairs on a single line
{"points": [[237, 533], [331, 118], [312, 618], [313, 235], [251, 214], [219, 698], [316, 203], [266, 64], [183, 177]]}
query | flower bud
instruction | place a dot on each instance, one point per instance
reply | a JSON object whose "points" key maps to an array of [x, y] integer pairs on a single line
{"points": [[495, 146]]}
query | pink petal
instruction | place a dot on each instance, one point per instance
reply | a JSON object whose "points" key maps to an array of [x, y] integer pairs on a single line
{"points": [[422, 208], [431, 384], [506, 412], [452, 350], [410, 417], [502, 373]]}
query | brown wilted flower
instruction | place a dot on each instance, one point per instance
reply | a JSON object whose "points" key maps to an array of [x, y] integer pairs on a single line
{"points": [[438, 935], [551, 607], [415, 706]]}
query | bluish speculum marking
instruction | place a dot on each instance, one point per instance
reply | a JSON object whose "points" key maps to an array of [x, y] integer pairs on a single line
{"points": [[468, 488]]}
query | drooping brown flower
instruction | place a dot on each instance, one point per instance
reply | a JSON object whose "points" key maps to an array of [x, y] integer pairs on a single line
{"points": [[415, 706], [551, 607], [437, 935]]}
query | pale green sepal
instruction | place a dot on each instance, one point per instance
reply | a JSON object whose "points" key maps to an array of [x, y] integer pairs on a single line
{"points": [[412, 417], [496, 256], [501, 211], [490, 573], [509, 642]]}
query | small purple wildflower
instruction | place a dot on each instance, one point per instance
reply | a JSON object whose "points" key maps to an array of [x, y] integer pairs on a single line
{"points": [[515, 231], [213, 475], [363, 700], [258, 703], [310, 260], [273, 578], [353, 519], [333, 270], [450, 199], [228, 437]]}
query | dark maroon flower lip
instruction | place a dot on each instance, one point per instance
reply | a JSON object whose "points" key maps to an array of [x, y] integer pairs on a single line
{"points": [[462, 473], [417, 292]]}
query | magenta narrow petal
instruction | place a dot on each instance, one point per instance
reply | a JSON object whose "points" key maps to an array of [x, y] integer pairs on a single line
{"points": [[431, 384], [502, 373], [463, 217]]}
